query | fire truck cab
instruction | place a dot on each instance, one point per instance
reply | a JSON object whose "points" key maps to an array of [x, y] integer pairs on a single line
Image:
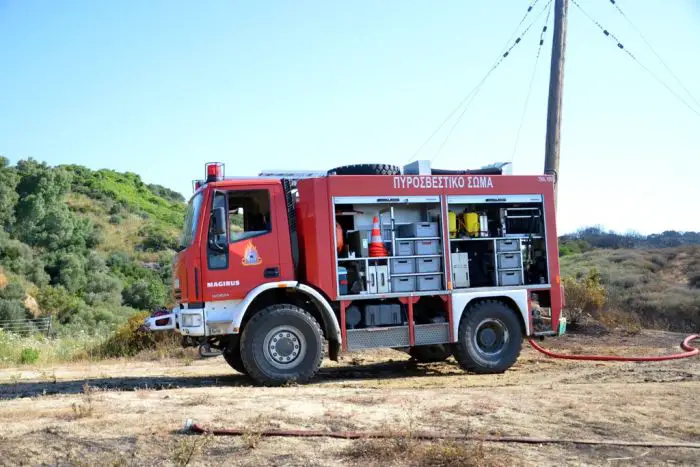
{"points": [[437, 263]]}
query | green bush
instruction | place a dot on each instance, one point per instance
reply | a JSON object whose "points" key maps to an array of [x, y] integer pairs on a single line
{"points": [[29, 356], [12, 310], [145, 294], [156, 238], [584, 296]]}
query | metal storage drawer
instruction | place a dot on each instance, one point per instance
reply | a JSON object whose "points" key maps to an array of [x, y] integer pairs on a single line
{"points": [[427, 247], [403, 266], [431, 282], [428, 264], [418, 229], [508, 245], [506, 278], [510, 260], [403, 284], [404, 248]]}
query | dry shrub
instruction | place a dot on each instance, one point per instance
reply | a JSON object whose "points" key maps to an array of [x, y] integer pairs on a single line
{"points": [[84, 408], [131, 339], [584, 296], [403, 450], [188, 447]]}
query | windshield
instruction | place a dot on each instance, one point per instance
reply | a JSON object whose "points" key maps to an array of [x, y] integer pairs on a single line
{"points": [[191, 218]]}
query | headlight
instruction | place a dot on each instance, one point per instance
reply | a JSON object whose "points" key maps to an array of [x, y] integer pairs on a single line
{"points": [[191, 320]]}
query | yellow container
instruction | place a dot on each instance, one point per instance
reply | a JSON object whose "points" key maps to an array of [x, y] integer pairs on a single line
{"points": [[471, 221], [452, 223]]}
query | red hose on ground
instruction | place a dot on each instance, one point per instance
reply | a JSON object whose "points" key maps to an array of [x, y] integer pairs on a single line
{"points": [[685, 345], [193, 428]]}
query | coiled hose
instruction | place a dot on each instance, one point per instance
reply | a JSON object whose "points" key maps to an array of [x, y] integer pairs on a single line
{"points": [[685, 345]]}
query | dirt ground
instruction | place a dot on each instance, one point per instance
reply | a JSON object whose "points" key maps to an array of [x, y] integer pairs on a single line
{"points": [[131, 412]]}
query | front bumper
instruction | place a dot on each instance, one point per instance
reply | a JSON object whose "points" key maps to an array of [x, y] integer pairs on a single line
{"points": [[186, 322]]}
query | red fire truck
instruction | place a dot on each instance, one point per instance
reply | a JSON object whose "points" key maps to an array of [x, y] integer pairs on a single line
{"points": [[437, 263]]}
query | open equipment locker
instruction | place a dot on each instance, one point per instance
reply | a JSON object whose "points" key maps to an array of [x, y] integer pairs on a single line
{"points": [[394, 210]]}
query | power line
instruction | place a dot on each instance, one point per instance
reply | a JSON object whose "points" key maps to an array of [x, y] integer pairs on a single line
{"points": [[622, 47], [532, 82], [475, 89], [617, 7]]}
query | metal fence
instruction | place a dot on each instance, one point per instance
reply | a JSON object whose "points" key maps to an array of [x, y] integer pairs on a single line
{"points": [[28, 326]]}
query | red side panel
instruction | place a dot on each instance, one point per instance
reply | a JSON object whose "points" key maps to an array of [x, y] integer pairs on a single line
{"points": [[316, 228]]}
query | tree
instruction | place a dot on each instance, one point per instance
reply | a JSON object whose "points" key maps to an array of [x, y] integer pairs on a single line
{"points": [[8, 195]]}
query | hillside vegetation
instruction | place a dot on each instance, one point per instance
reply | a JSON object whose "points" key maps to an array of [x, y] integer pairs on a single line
{"points": [[89, 247], [638, 286]]}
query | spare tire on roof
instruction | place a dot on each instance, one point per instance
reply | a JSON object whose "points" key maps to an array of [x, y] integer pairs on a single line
{"points": [[366, 169]]}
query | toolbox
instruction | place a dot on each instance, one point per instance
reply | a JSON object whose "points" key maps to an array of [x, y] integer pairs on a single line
{"points": [[506, 278], [426, 247], [510, 260], [403, 284], [508, 244], [382, 315], [431, 282], [404, 248], [418, 229], [403, 266], [428, 264]]}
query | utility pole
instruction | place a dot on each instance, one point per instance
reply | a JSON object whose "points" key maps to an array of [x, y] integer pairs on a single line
{"points": [[556, 84]]}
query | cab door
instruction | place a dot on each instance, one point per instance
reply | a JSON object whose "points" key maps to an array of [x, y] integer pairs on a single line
{"points": [[245, 253]]}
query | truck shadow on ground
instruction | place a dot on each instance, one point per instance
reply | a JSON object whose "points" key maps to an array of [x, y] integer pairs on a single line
{"points": [[374, 371]]}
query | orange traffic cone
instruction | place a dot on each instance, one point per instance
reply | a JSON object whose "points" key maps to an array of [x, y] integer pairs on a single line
{"points": [[376, 244]]}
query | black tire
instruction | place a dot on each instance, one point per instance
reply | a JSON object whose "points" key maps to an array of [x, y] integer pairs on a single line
{"points": [[366, 169], [232, 355], [490, 338], [300, 339], [430, 353]]}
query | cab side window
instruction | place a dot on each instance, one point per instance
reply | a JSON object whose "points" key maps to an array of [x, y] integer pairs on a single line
{"points": [[249, 214], [217, 256]]}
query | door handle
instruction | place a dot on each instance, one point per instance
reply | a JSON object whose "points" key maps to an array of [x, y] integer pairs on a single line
{"points": [[272, 272]]}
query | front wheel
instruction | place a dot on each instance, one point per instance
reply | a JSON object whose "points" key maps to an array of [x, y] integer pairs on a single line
{"points": [[282, 344], [490, 338], [232, 355]]}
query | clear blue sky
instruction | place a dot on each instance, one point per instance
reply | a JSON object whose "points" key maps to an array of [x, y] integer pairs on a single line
{"points": [[161, 87]]}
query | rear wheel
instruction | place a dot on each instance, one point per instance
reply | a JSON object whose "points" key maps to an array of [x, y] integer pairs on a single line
{"points": [[490, 338], [282, 344], [430, 353]]}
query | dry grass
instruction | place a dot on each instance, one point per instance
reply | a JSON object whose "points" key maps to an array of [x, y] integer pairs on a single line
{"points": [[253, 432]]}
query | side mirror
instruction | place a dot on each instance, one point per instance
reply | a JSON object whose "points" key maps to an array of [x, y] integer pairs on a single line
{"points": [[218, 216]]}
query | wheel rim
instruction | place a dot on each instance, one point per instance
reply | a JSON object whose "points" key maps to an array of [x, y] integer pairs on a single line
{"points": [[284, 347], [491, 337]]}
